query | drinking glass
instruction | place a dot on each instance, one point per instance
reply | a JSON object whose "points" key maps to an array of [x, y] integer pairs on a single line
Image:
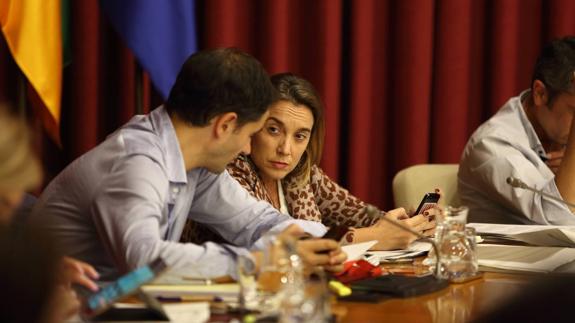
{"points": [[456, 245], [260, 288]]}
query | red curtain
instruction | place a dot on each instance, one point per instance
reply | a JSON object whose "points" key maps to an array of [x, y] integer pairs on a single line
{"points": [[403, 82]]}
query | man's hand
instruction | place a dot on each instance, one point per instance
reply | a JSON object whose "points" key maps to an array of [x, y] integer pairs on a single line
{"points": [[315, 252], [322, 252], [554, 159], [78, 272]]}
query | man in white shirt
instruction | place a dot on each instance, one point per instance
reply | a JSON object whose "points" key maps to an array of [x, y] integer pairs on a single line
{"points": [[124, 203], [532, 138]]}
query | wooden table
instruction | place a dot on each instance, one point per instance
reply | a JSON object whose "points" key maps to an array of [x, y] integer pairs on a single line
{"points": [[457, 303]]}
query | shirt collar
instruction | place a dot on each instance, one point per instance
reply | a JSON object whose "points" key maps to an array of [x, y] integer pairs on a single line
{"points": [[534, 141], [164, 128]]}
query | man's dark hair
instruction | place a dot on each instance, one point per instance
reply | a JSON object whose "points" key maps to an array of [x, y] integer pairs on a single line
{"points": [[555, 67], [218, 81]]}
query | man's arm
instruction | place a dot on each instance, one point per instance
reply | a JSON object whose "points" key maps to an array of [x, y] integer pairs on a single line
{"points": [[493, 159], [130, 213], [225, 206]]}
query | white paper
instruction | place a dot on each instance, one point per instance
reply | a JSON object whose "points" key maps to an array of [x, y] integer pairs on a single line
{"points": [[415, 249], [356, 250], [523, 258], [538, 235], [198, 312]]}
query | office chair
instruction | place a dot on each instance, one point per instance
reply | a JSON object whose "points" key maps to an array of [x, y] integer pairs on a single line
{"points": [[410, 184]]}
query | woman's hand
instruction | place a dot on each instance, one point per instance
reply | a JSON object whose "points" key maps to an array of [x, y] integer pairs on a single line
{"points": [[391, 237]]}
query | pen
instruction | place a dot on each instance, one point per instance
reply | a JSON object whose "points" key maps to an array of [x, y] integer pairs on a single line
{"points": [[184, 298], [197, 281]]}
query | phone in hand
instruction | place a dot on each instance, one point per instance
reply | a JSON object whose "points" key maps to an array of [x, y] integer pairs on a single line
{"points": [[100, 301], [428, 201], [336, 232]]}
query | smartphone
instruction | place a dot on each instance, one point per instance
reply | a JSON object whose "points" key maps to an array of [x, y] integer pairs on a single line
{"points": [[98, 302], [336, 232], [428, 201]]}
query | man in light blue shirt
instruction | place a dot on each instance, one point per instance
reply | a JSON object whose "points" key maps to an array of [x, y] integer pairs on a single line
{"points": [[125, 202], [532, 137]]}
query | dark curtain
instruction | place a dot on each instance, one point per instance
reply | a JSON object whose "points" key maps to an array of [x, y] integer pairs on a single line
{"points": [[403, 81]]}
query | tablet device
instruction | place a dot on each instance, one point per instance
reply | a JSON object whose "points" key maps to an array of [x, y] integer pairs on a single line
{"points": [[100, 301]]}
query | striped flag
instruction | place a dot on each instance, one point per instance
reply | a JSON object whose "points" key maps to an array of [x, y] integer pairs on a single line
{"points": [[32, 29]]}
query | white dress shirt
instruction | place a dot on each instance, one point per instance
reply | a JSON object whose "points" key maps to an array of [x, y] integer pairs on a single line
{"points": [[507, 145], [125, 203]]}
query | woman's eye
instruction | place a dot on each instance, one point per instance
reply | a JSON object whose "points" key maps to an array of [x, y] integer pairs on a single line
{"points": [[301, 137], [273, 130]]}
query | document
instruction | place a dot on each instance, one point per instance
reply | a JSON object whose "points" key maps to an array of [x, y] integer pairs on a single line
{"points": [[415, 249], [523, 258], [356, 250], [537, 235]]}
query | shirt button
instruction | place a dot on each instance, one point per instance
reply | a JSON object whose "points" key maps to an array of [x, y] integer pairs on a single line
{"points": [[176, 190]]}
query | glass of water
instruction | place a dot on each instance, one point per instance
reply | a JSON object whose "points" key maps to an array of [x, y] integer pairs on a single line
{"points": [[456, 245]]}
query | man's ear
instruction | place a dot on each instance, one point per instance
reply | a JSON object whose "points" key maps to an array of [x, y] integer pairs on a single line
{"points": [[224, 124], [540, 95]]}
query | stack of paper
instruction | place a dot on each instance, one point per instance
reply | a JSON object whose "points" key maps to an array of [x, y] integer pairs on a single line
{"points": [[414, 250], [356, 250], [523, 258], [537, 235]]}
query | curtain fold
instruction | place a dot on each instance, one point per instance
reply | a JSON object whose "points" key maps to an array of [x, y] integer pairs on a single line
{"points": [[403, 82]]}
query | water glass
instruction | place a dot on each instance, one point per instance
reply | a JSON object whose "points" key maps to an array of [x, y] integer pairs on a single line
{"points": [[309, 302], [247, 279], [259, 289], [456, 245]]}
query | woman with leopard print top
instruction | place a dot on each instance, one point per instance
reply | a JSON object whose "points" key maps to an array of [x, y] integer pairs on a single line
{"points": [[282, 169]]}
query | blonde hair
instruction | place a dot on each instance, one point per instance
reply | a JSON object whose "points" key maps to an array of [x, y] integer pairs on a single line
{"points": [[298, 91], [19, 168]]}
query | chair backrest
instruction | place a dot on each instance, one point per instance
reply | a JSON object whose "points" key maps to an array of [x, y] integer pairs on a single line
{"points": [[410, 184]]}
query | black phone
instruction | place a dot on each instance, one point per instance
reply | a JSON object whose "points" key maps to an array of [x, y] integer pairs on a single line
{"points": [[100, 301], [336, 232], [428, 201]]}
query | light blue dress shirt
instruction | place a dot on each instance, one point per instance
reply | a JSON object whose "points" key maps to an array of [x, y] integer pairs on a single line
{"points": [[507, 145], [125, 203]]}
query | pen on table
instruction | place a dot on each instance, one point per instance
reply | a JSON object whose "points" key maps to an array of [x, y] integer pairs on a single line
{"points": [[197, 281], [184, 298]]}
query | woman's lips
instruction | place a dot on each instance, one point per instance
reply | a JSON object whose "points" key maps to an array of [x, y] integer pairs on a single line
{"points": [[279, 165]]}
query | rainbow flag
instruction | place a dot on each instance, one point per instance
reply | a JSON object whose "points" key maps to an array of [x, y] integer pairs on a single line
{"points": [[32, 29]]}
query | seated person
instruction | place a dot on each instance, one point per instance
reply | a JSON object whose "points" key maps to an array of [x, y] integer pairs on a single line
{"points": [[531, 138], [34, 280], [124, 203], [282, 170]]}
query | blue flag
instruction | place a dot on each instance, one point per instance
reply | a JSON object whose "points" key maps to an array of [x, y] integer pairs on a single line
{"points": [[161, 34]]}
